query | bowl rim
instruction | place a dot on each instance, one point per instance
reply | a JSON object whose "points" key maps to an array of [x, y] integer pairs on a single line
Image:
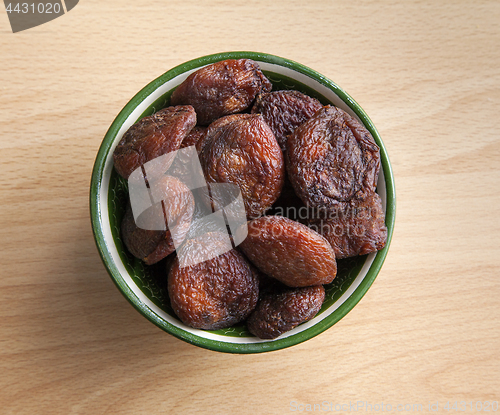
{"points": [[232, 347]]}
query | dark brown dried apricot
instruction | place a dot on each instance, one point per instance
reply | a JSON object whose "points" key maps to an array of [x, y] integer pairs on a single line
{"points": [[222, 88], [354, 228], [152, 137], [141, 242], [332, 158], [283, 309], [149, 242], [213, 294], [284, 111], [241, 149], [289, 251], [215, 127], [193, 137], [162, 250]]}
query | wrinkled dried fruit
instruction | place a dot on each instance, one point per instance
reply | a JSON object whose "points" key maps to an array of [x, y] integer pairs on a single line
{"points": [[284, 111], [175, 212], [332, 158], [152, 137], [213, 294], [193, 137], [142, 242], [241, 149], [215, 127], [289, 251], [284, 309], [222, 88], [162, 250], [354, 228]]}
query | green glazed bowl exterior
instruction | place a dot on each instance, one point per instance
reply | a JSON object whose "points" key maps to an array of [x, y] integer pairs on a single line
{"points": [[142, 286]]}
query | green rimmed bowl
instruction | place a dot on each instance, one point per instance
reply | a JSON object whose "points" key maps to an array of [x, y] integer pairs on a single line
{"points": [[145, 287]]}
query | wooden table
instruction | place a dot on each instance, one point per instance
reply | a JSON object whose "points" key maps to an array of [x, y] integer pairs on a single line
{"points": [[426, 333]]}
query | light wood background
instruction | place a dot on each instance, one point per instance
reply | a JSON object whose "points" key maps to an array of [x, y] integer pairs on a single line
{"points": [[426, 72]]}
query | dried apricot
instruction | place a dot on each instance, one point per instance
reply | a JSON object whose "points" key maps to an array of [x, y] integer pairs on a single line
{"points": [[193, 137], [284, 111], [141, 242], [160, 225], [241, 149], [283, 309], [213, 294], [354, 228], [289, 251], [222, 88], [332, 158], [152, 137]]}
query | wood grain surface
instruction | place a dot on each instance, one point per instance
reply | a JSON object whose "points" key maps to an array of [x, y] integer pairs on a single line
{"points": [[426, 333]]}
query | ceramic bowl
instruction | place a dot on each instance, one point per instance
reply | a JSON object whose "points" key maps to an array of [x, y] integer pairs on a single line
{"points": [[145, 287]]}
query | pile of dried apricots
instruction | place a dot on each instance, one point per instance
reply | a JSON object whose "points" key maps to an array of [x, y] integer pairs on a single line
{"points": [[282, 149]]}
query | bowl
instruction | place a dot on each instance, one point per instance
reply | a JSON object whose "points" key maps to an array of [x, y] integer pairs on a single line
{"points": [[144, 286]]}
